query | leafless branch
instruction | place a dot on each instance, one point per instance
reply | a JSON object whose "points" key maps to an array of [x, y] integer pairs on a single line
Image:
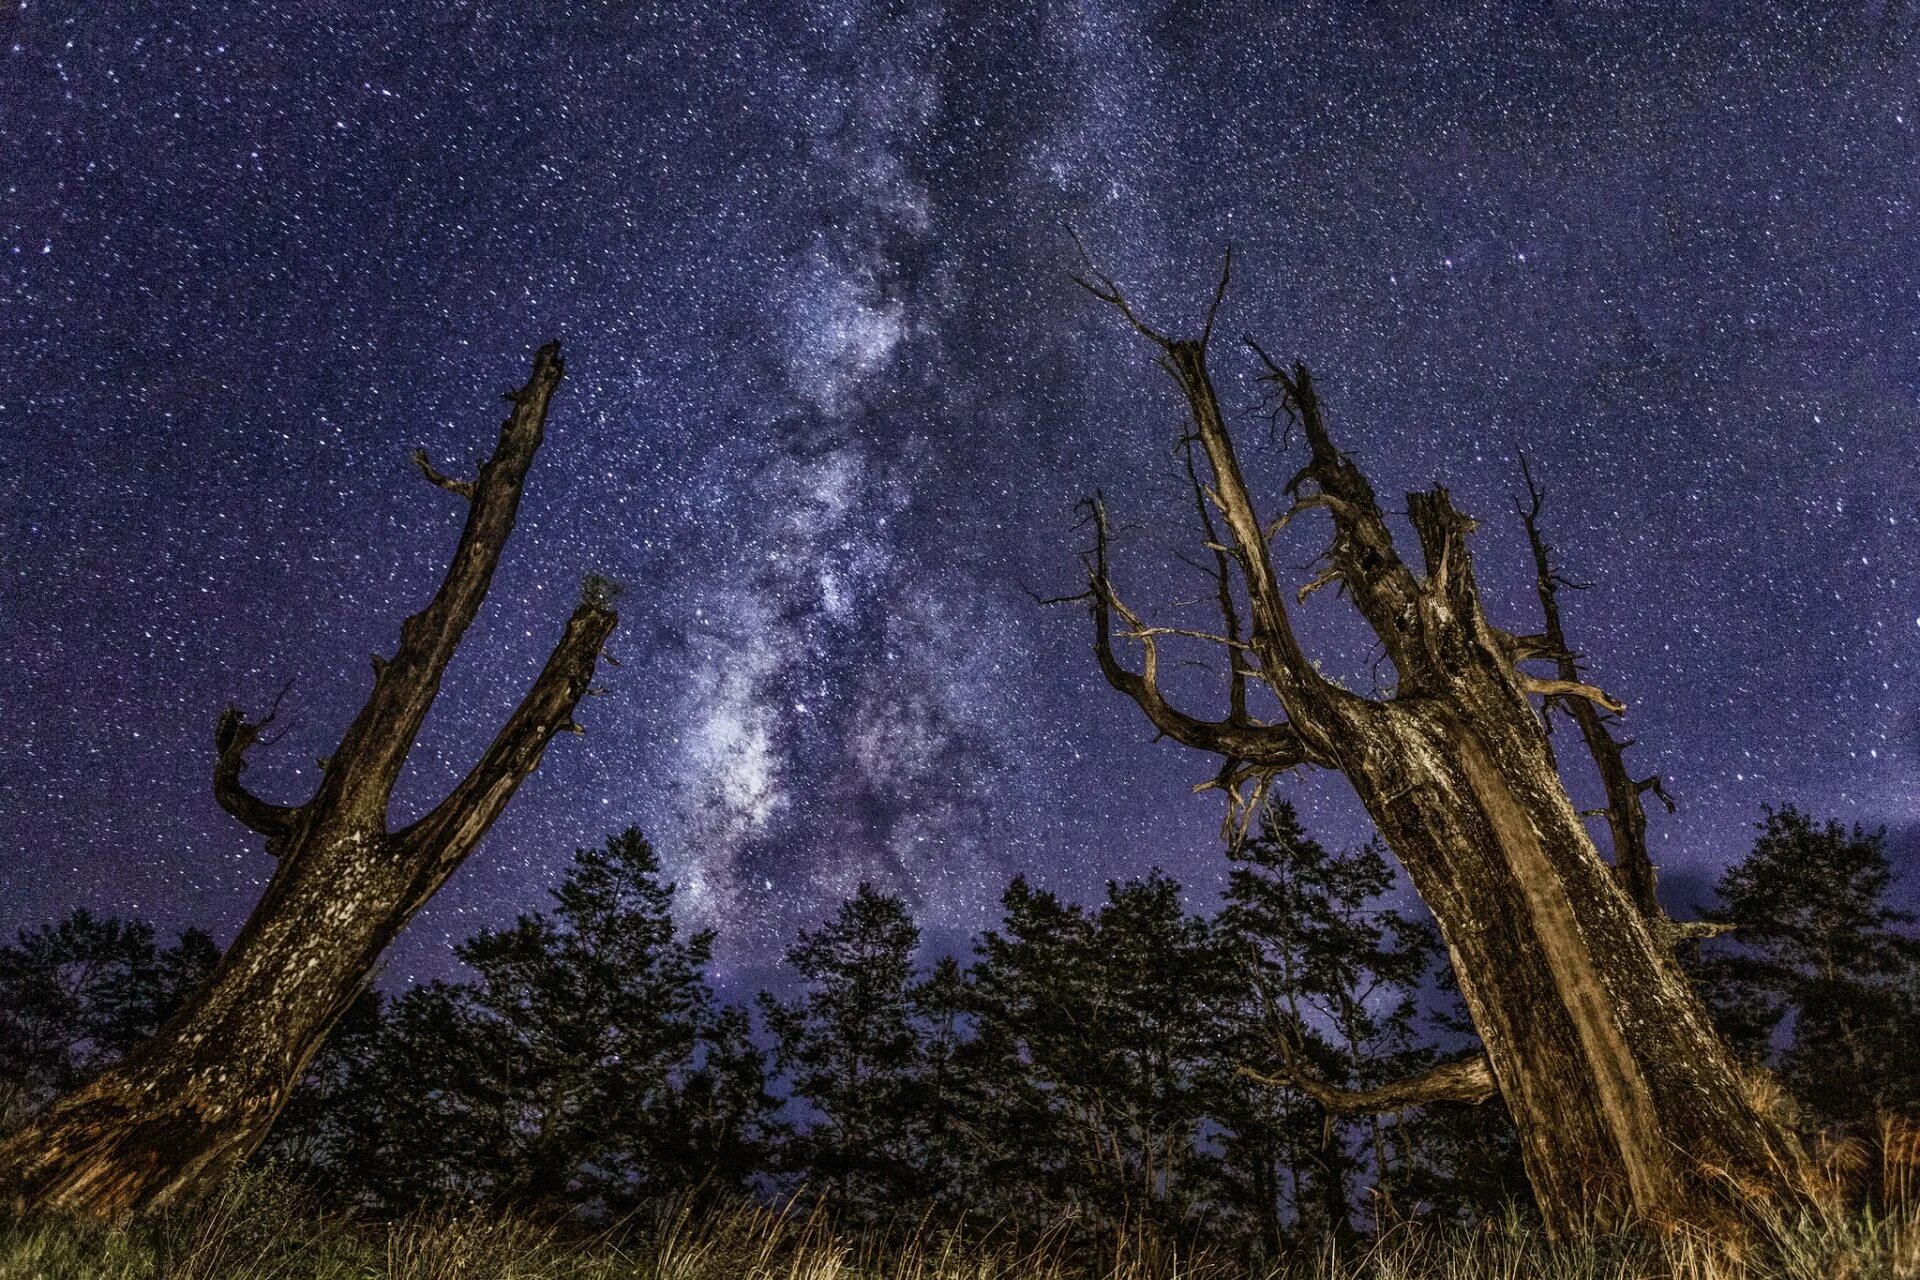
{"points": [[233, 737], [1695, 930], [1325, 578], [1299, 507], [461, 488], [1626, 815], [1148, 631], [1467, 1079], [1659, 788], [1571, 689], [458, 822], [1107, 290], [370, 755], [1238, 670], [1219, 293], [1277, 746]]}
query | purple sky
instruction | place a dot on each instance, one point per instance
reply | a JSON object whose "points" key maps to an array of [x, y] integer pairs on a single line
{"points": [[831, 399]]}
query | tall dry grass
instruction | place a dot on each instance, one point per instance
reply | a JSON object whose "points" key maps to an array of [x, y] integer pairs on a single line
{"points": [[260, 1228]]}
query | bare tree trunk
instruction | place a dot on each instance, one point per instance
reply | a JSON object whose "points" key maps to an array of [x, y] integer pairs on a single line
{"points": [[181, 1110], [1629, 1109]]}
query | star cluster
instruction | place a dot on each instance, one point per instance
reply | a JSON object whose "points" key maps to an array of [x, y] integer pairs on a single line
{"points": [[832, 398]]}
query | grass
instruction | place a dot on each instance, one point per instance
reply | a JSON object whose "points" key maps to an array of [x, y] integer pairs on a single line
{"points": [[261, 1229]]}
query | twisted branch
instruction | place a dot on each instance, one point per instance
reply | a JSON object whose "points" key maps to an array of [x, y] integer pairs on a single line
{"points": [[233, 737]]}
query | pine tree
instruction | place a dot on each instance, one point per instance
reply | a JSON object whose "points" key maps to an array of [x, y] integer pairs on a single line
{"points": [[1819, 972], [720, 1131], [319, 1139], [1093, 1032], [1029, 1003], [584, 1066], [1461, 1161], [849, 1047], [1331, 980], [77, 994], [945, 1096], [412, 1120]]}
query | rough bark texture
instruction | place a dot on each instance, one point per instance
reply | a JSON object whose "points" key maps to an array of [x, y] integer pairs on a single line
{"points": [[191, 1103], [1629, 1108], [1467, 1079]]}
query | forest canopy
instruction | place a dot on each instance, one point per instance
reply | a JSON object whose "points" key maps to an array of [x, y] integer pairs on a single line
{"points": [[1081, 1064]]}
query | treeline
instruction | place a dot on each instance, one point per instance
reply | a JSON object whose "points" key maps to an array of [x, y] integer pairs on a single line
{"points": [[1085, 1071]]}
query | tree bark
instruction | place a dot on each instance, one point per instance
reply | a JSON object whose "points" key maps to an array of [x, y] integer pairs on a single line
{"points": [[1468, 1079], [1629, 1108], [187, 1106]]}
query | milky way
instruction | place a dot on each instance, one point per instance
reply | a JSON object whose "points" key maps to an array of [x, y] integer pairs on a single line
{"points": [[832, 398]]}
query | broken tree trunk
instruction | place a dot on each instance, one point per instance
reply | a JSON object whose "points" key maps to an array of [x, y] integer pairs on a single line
{"points": [[184, 1108], [1629, 1109]]}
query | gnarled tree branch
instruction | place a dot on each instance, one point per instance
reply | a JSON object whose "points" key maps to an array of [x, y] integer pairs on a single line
{"points": [[1442, 529], [1362, 555], [1461, 1080], [1283, 665], [233, 737], [1237, 666], [1565, 689], [1696, 930], [375, 746], [453, 485], [1279, 746], [1626, 815]]}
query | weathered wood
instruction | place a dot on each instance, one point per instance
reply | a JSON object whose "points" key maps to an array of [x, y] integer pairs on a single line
{"points": [[187, 1106], [1629, 1109], [1467, 1079]]}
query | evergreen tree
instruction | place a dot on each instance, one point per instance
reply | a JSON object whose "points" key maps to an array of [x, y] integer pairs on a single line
{"points": [[585, 1065], [1093, 1035], [945, 1094], [1330, 985], [77, 994], [318, 1137], [1461, 1160], [849, 1046], [719, 1132], [401, 1112], [1819, 973], [1029, 1003]]}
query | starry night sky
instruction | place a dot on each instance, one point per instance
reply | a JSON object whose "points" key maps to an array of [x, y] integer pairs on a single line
{"points": [[832, 397]]}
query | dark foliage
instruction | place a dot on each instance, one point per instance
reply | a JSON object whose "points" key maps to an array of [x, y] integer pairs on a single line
{"points": [[1821, 976], [1329, 981], [77, 994], [1078, 1077], [586, 1066], [1093, 1032], [852, 1050]]}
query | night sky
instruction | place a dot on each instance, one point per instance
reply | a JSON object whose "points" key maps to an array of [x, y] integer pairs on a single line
{"points": [[831, 398]]}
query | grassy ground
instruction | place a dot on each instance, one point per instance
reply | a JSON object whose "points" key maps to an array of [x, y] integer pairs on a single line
{"points": [[259, 1228]]}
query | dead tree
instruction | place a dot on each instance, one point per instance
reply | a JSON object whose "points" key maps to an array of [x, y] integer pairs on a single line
{"points": [[1629, 1109], [190, 1104]]}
